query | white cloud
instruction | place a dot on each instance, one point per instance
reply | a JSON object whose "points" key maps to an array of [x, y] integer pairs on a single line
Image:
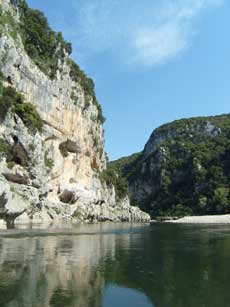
{"points": [[143, 32], [159, 44]]}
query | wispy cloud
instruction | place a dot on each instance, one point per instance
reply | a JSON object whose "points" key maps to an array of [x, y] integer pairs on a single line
{"points": [[143, 32]]}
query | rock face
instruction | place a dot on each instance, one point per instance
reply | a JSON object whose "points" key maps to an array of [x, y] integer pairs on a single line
{"points": [[183, 169], [156, 153], [55, 172]]}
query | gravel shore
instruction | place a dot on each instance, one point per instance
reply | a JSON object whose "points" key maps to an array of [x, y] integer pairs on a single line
{"points": [[206, 219]]}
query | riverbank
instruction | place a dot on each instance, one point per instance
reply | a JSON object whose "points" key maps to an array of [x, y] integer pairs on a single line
{"points": [[206, 219]]}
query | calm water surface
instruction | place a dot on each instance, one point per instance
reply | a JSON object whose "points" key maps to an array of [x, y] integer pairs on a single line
{"points": [[112, 265]]}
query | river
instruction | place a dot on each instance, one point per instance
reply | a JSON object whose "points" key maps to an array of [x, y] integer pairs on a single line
{"points": [[115, 265]]}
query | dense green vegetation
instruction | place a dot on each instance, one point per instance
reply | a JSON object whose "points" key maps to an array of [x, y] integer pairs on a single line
{"points": [[8, 97], [12, 101], [126, 166], [182, 125], [189, 173], [42, 44], [111, 176]]}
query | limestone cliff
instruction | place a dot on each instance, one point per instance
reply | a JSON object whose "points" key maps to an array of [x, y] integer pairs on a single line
{"points": [[53, 171]]}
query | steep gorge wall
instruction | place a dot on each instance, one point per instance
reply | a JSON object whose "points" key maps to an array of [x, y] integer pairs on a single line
{"points": [[65, 159]]}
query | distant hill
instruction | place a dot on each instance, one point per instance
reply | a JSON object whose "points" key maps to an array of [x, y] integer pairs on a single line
{"points": [[184, 168]]}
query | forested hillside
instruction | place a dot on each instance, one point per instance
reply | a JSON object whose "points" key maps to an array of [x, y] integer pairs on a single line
{"points": [[183, 170]]}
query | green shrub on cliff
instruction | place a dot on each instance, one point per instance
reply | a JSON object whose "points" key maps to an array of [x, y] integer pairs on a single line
{"points": [[29, 115], [11, 100], [87, 84], [42, 44], [4, 149], [49, 163], [7, 19], [8, 98], [111, 177]]}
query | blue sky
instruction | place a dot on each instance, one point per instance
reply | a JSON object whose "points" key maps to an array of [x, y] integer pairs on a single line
{"points": [[152, 61]]}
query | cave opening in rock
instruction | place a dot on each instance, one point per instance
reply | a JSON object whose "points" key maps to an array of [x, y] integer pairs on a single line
{"points": [[9, 80]]}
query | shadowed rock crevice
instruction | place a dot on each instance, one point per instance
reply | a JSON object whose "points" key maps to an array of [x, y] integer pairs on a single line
{"points": [[11, 217], [16, 178], [3, 202], [69, 146], [15, 153], [67, 197], [19, 154]]}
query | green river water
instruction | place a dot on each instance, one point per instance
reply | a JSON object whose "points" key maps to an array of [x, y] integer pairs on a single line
{"points": [[115, 265]]}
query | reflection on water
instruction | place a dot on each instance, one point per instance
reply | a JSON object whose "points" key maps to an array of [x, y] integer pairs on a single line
{"points": [[116, 265], [122, 297]]}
